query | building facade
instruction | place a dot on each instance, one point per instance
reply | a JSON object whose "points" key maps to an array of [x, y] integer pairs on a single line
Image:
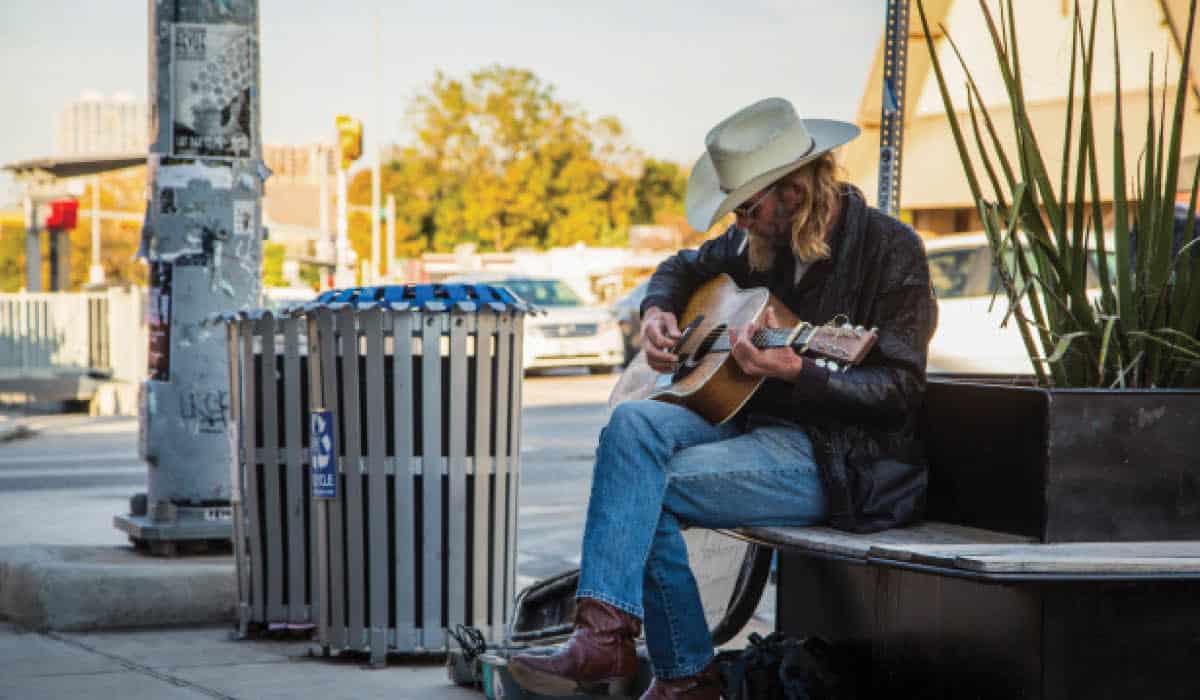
{"points": [[934, 194], [299, 164], [99, 125]]}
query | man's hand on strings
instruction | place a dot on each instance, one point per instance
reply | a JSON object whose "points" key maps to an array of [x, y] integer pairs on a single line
{"points": [[660, 331], [780, 363]]}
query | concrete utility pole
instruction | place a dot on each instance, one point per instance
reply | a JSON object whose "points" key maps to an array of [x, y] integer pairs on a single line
{"points": [[350, 143], [376, 210], [376, 170], [343, 276], [96, 271], [391, 236], [33, 246], [203, 241]]}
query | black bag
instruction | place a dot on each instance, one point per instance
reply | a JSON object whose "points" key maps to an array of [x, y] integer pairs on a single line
{"points": [[779, 667]]}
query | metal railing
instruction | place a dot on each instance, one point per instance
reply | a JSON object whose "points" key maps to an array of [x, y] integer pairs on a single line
{"points": [[61, 333]]}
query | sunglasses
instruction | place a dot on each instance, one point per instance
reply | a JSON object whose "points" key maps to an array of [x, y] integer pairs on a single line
{"points": [[746, 208]]}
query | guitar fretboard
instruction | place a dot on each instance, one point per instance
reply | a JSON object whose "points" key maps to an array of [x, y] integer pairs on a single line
{"points": [[764, 338]]}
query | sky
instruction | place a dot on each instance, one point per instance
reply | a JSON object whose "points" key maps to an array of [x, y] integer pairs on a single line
{"points": [[669, 70]]}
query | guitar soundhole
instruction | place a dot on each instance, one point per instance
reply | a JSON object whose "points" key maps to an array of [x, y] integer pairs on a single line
{"points": [[706, 344], [710, 340], [689, 361]]}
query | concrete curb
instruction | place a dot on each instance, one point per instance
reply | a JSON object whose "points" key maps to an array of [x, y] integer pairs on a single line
{"points": [[87, 588]]}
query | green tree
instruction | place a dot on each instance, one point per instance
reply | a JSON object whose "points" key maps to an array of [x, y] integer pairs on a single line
{"points": [[660, 190], [500, 161]]}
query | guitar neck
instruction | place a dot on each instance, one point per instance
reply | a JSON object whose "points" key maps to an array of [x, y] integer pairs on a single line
{"points": [[765, 338]]}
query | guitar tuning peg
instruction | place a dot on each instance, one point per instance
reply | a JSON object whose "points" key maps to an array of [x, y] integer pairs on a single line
{"points": [[860, 329], [821, 362], [832, 366]]}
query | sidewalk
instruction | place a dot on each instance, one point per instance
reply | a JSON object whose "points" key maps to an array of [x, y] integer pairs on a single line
{"points": [[198, 662], [61, 487]]}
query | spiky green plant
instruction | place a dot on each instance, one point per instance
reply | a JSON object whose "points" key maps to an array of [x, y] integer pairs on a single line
{"points": [[1142, 329]]}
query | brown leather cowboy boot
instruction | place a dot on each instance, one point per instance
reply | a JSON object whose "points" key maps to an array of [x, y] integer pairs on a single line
{"points": [[601, 650], [705, 685]]}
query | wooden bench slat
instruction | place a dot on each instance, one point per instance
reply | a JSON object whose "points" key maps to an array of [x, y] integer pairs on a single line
{"points": [[982, 551], [826, 540], [1080, 565], [1077, 558]]}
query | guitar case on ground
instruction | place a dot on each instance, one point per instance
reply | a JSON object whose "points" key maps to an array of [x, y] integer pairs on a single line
{"points": [[731, 575]]}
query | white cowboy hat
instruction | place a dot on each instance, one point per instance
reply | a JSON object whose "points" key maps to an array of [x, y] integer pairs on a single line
{"points": [[752, 149]]}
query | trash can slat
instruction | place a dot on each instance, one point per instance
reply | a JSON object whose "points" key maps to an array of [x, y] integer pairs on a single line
{"points": [[352, 474], [504, 363], [456, 558], [514, 451], [431, 481], [402, 395], [320, 336], [273, 522], [294, 511], [484, 349], [238, 461], [377, 531], [250, 391], [336, 567]]}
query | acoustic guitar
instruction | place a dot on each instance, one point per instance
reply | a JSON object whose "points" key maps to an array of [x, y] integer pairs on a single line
{"points": [[707, 378]]}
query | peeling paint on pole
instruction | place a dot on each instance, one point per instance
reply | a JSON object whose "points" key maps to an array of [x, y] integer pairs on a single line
{"points": [[203, 237]]}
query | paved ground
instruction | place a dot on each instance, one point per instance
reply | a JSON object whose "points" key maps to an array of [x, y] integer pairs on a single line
{"points": [[197, 663], [64, 484]]}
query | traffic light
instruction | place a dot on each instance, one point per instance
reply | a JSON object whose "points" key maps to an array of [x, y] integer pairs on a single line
{"points": [[349, 132]]}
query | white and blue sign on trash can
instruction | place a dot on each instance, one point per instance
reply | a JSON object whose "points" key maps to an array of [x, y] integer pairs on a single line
{"points": [[324, 461]]}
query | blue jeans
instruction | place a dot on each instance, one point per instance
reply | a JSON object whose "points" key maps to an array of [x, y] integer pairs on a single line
{"points": [[660, 467]]}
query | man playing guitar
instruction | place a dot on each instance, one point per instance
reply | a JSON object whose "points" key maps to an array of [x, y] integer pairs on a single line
{"points": [[811, 445]]}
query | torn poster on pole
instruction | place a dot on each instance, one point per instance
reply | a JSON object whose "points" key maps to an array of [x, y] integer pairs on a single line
{"points": [[158, 321], [214, 70]]}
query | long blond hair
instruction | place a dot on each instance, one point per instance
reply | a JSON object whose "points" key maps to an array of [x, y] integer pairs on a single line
{"points": [[818, 195], [815, 190]]}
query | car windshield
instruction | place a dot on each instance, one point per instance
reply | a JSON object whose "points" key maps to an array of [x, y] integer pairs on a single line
{"points": [[949, 271], [543, 292]]}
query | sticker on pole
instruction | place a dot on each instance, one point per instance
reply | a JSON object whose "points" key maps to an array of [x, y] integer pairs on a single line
{"points": [[324, 459]]}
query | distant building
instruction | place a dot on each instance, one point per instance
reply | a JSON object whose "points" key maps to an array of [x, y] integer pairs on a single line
{"points": [[99, 125], [298, 164], [934, 194]]}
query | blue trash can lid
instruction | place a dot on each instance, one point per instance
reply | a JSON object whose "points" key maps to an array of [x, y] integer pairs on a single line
{"points": [[417, 296]]}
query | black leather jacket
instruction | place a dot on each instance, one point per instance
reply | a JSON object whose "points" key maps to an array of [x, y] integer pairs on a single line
{"points": [[863, 421]]}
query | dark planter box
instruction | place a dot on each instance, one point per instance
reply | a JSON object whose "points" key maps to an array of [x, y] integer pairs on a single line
{"points": [[1064, 465]]}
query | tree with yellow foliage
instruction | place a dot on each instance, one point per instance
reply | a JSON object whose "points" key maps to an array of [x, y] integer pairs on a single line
{"points": [[499, 161]]}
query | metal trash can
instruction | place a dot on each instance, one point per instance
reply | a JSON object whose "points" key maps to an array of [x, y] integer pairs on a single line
{"points": [[417, 531], [273, 522]]}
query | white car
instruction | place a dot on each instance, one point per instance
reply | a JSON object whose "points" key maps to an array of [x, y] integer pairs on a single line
{"points": [[969, 338], [570, 332]]}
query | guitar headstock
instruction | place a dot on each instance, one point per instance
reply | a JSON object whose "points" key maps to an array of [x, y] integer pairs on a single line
{"points": [[838, 347]]}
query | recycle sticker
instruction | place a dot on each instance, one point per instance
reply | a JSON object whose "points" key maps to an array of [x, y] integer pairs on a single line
{"points": [[324, 458]]}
